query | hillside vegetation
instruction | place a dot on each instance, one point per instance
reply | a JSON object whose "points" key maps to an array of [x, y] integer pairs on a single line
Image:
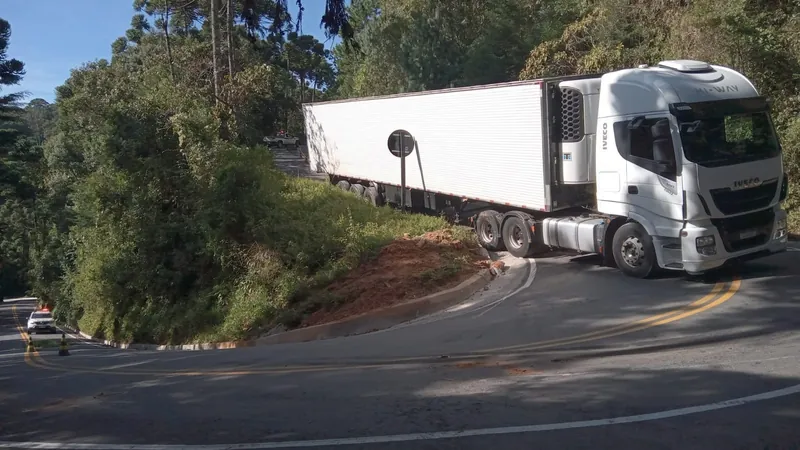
{"points": [[142, 207], [147, 211]]}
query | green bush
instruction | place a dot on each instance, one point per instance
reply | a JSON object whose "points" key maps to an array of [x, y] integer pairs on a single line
{"points": [[315, 234], [790, 140]]}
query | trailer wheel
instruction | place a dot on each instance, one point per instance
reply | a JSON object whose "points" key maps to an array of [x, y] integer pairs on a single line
{"points": [[357, 189], [634, 251], [343, 185], [487, 227], [371, 193], [517, 237]]}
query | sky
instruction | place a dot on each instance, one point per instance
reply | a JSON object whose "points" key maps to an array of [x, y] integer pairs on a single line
{"points": [[54, 36]]}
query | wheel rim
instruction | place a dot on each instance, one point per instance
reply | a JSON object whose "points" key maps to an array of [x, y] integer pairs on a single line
{"points": [[487, 233], [633, 251], [516, 237]]}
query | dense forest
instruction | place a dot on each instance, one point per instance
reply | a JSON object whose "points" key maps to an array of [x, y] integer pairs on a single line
{"points": [[141, 205]]}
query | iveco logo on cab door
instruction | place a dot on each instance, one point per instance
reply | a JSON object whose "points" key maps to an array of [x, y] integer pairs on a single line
{"points": [[746, 183]]}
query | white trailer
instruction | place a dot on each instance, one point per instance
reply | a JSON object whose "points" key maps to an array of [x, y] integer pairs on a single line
{"points": [[675, 166]]}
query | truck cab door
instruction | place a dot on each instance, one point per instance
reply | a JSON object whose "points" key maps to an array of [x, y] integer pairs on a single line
{"points": [[654, 185]]}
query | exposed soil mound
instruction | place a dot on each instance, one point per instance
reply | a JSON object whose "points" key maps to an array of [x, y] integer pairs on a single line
{"points": [[406, 269]]}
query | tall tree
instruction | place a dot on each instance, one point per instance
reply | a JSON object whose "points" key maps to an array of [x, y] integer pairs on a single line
{"points": [[41, 119], [214, 18], [229, 33], [17, 184], [11, 72]]}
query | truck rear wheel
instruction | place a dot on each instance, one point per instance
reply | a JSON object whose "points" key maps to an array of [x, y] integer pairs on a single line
{"points": [[373, 196], [357, 189], [633, 250], [487, 227], [517, 237]]}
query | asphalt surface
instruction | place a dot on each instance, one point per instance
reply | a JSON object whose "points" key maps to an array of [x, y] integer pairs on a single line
{"points": [[291, 161], [579, 357]]}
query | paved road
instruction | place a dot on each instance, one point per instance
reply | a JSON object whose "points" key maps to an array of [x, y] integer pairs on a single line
{"points": [[582, 357], [291, 161]]}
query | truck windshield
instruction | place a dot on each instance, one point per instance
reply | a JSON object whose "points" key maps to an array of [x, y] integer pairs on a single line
{"points": [[722, 140]]}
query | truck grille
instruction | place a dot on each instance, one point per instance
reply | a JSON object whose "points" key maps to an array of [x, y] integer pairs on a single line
{"points": [[746, 231], [735, 202]]}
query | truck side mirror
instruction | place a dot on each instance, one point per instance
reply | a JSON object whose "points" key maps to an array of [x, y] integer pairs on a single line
{"points": [[663, 153]]}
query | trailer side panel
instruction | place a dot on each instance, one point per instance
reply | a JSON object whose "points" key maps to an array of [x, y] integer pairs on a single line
{"points": [[485, 144]]}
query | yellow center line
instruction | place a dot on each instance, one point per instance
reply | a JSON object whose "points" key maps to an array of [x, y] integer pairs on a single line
{"points": [[28, 360], [691, 309], [711, 300]]}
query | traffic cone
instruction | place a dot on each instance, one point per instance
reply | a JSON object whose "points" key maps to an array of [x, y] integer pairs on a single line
{"points": [[62, 348], [29, 347]]}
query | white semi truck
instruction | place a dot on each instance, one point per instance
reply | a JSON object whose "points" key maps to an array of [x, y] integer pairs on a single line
{"points": [[673, 166]]}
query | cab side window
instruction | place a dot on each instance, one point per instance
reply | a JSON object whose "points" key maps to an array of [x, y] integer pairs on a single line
{"points": [[648, 144]]}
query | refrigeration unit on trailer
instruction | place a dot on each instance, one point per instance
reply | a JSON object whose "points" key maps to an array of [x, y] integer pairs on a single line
{"points": [[675, 166]]}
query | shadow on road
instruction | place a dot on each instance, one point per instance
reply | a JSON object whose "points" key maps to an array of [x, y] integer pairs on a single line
{"points": [[742, 347], [412, 400]]}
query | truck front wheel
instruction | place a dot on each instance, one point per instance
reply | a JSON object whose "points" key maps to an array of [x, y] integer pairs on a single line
{"points": [[633, 250]]}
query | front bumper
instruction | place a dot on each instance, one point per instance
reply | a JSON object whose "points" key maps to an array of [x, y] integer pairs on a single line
{"points": [[745, 237]]}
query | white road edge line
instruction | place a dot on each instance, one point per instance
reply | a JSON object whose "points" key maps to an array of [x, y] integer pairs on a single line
{"points": [[77, 337], [460, 310], [531, 277], [422, 436]]}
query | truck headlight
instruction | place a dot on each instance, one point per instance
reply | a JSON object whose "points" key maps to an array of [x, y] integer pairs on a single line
{"points": [[706, 245], [780, 229]]}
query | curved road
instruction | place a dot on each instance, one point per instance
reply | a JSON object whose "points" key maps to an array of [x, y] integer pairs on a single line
{"points": [[580, 357]]}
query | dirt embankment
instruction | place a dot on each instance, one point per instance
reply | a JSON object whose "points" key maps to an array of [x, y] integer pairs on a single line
{"points": [[406, 269]]}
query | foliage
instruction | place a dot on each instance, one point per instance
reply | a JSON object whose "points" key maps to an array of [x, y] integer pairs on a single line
{"points": [[141, 205], [411, 45], [18, 160], [157, 218]]}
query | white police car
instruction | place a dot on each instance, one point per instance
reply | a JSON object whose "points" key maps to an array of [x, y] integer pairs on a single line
{"points": [[41, 320]]}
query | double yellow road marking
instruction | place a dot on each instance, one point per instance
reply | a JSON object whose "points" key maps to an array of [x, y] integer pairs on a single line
{"points": [[22, 334], [711, 300], [719, 294]]}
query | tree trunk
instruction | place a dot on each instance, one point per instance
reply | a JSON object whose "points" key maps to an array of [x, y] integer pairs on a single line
{"points": [[302, 87], [215, 48], [166, 38], [314, 92], [229, 26]]}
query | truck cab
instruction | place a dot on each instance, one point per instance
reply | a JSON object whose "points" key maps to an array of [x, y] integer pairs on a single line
{"points": [[688, 151]]}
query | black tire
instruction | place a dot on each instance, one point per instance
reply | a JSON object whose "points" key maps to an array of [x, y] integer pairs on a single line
{"points": [[633, 251], [343, 185], [487, 227], [371, 193], [357, 189], [517, 237]]}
